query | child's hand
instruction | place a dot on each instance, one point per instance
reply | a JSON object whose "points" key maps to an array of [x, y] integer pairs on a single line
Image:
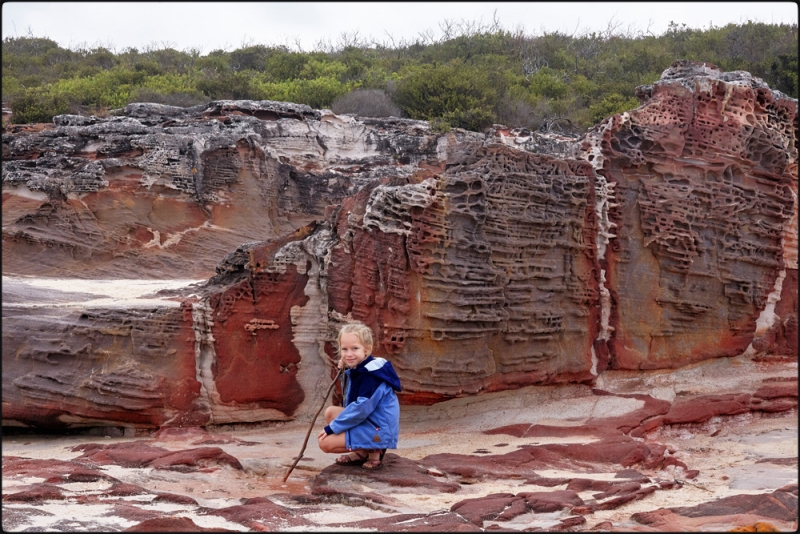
{"points": [[321, 434], [340, 365]]}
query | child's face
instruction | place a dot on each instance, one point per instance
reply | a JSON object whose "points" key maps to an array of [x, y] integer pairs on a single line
{"points": [[352, 351]]}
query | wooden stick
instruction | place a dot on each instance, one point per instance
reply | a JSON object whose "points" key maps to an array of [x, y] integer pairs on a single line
{"points": [[311, 427]]}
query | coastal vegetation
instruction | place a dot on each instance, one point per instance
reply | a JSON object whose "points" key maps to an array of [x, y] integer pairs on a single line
{"points": [[472, 76]]}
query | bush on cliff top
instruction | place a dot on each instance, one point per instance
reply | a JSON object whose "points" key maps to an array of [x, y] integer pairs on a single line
{"points": [[366, 103], [472, 76]]}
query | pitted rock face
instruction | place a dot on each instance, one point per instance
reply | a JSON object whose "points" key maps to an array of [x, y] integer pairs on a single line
{"points": [[481, 278], [704, 176]]}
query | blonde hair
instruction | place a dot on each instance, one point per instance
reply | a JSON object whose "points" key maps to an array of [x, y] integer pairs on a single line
{"points": [[361, 331]]}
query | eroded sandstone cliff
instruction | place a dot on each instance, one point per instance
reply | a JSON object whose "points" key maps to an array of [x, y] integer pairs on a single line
{"points": [[665, 236], [166, 192]]}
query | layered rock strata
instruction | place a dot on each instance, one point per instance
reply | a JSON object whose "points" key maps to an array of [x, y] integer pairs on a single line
{"points": [[666, 236], [159, 191]]}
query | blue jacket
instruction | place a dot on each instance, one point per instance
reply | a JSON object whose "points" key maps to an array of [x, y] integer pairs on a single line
{"points": [[371, 418]]}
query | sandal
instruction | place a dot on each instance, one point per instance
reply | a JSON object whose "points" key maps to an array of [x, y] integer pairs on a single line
{"points": [[346, 459], [374, 465]]}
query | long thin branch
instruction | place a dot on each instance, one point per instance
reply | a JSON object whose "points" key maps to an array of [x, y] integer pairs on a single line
{"points": [[311, 426]]}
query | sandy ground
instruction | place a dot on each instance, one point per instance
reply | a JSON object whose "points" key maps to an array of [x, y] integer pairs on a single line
{"points": [[36, 292]]}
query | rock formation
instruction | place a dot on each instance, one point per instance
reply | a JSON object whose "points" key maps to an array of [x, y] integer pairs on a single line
{"points": [[702, 183], [166, 192], [665, 236]]}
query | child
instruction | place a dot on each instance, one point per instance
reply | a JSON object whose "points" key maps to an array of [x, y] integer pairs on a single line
{"points": [[369, 421]]}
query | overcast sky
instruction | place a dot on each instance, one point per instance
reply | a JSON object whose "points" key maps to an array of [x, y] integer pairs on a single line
{"points": [[208, 26]]}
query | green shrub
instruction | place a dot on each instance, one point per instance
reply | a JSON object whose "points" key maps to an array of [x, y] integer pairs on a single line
{"points": [[610, 105], [35, 105], [461, 94], [179, 98], [366, 103]]}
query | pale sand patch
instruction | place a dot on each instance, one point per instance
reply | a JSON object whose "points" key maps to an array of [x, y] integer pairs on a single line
{"points": [[210, 521], [85, 488], [469, 442], [38, 447], [97, 514], [340, 513], [707, 377], [566, 405], [111, 293], [531, 520]]}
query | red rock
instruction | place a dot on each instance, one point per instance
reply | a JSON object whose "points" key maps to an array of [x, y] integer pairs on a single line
{"points": [[636, 422], [53, 471], [702, 408], [632, 475], [130, 454], [485, 508], [616, 502], [778, 508], [245, 357], [137, 454], [121, 489], [679, 165], [131, 512], [569, 524], [398, 472], [774, 390], [542, 502], [434, 522], [619, 450], [445, 246], [198, 457], [173, 498], [781, 504], [36, 493], [517, 507], [157, 387], [623, 451], [614, 489], [588, 484], [785, 331]]}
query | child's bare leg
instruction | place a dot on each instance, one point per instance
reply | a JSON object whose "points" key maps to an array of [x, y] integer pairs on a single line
{"points": [[333, 443], [331, 412]]}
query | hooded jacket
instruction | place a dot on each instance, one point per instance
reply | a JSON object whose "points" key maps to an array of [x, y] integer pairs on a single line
{"points": [[371, 417]]}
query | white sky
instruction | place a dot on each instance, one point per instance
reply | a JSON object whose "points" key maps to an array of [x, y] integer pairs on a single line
{"points": [[208, 26]]}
